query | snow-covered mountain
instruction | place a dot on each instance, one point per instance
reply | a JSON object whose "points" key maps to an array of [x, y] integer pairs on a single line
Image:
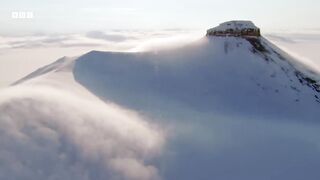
{"points": [[228, 106], [228, 75]]}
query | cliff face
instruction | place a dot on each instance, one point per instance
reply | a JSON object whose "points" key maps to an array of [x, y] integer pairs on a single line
{"points": [[235, 28]]}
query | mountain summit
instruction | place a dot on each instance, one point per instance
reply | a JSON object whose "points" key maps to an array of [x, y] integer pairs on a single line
{"points": [[235, 28]]}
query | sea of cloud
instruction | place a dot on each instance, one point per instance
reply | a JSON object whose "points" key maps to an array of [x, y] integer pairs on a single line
{"points": [[48, 133]]}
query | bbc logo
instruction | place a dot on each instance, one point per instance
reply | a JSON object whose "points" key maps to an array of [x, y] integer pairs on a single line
{"points": [[22, 15]]}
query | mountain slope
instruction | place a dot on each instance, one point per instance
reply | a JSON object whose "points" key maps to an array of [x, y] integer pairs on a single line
{"points": [[231, 75]]}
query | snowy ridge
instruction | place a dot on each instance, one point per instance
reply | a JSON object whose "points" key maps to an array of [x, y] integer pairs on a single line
{"points": [[62, 64]]}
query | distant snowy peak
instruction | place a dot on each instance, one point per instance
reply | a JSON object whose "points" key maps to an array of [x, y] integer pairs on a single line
{"points": [[235, 28]]}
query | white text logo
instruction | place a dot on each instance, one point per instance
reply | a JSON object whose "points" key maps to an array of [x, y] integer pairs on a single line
{"points": [[22, 14]]}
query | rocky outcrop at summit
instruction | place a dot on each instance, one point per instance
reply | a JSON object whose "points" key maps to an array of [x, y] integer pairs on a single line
{"points": [[235, 28]]}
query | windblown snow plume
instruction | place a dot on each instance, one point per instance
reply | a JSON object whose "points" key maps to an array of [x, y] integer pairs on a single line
{"points": [[51, 134]]}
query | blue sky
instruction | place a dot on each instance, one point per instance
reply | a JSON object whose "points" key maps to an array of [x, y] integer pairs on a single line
{"points": [[80, 16]]}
